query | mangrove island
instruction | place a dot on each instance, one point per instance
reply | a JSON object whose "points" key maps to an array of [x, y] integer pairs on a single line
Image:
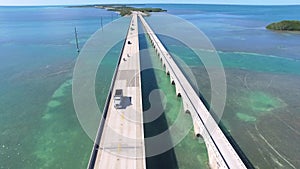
{"points": [[286, 25], [123, 10]]}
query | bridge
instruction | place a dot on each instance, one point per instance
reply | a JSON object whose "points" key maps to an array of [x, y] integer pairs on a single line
{"points": [[122, 135], [220, 151], [111, 150]]}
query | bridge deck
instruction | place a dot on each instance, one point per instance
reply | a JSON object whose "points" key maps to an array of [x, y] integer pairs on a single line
{"points": [[122, 141]]}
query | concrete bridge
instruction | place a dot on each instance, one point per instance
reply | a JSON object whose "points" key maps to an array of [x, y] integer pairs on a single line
{"points": [[220, 152], [120, 138], [111, 150]]}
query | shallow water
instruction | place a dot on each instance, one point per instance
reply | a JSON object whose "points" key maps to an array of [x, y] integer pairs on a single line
{"points": [[38, 125], [260, 98], [262, 73]]}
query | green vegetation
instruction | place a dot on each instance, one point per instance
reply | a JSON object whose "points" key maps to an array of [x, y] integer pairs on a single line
{"points": [[287, 25], [123, 9], [127, 10], [254, 104], [246, 117]]}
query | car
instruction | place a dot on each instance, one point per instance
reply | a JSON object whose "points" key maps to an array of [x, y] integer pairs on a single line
{"points": [[118, 98]]}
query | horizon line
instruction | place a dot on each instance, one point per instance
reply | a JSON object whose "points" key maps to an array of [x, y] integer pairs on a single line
{"points": [[233, 4]]}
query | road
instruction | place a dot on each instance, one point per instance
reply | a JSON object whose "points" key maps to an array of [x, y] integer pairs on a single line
{"points": [[122, 142]]}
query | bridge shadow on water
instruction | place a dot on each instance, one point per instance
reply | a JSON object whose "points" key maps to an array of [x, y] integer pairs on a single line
{"points": [[166, 160]]}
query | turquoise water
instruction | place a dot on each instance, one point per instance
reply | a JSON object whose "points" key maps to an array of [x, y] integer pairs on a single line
{"points": [[235, 28], [262, 73], [262, 94], [38, 125]]}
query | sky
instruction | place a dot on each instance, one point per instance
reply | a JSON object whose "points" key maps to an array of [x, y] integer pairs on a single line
{"points": [[77, 2]]}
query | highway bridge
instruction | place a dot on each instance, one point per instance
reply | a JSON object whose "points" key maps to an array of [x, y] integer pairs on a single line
{"points": [[111, 150]]}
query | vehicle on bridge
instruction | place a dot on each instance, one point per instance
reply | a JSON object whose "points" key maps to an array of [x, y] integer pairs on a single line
{"points": [[118, 97]]}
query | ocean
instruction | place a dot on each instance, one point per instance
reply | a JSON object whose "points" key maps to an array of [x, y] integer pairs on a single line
{"points": [[38, 124]]}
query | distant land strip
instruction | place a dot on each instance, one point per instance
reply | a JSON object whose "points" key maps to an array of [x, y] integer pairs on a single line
{"points": [[123, 10]]}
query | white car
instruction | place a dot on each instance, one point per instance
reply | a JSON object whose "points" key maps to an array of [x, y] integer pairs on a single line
{"points": [[118, 98]]}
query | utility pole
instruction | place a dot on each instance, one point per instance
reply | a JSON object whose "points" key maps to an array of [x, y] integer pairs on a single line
{"points": [[76, 38], [101, 23]]}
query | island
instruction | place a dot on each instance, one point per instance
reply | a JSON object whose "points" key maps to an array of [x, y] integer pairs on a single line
{"points": [[286, 25], [123, 10]]}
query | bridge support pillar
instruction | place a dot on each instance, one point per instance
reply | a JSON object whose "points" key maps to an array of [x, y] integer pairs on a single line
{"points": [[185, 106], [213, 163], [197, 129], [214, 159], [172, 80], [177, 88]]}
